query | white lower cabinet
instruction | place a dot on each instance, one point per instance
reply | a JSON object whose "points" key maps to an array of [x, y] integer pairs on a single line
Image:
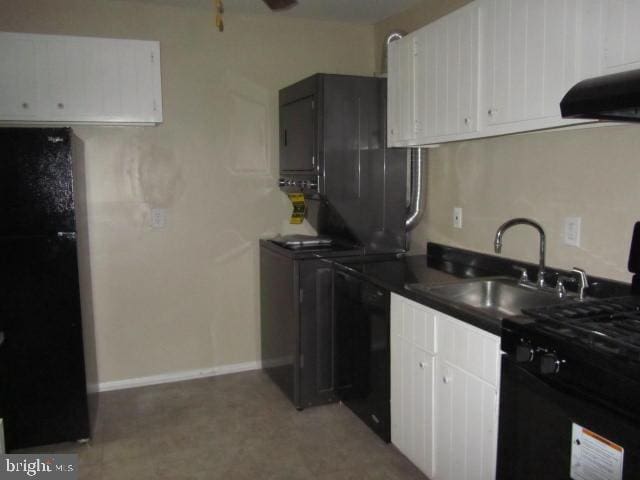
{"points": [[412, 382], [444, 392]]}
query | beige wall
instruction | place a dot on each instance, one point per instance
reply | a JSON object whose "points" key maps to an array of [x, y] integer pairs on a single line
{"points": [[186, 296], [592, 173]]}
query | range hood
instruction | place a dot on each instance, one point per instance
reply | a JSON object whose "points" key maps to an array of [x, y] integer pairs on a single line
{"points": [[610, 97]]}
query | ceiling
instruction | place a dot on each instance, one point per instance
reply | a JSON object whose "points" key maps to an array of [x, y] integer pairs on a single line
{"points": [[350, 11]]}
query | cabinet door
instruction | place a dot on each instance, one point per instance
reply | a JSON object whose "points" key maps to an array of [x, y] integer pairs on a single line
{"points": [[622, 36], [533, 53], [446, 75], [102, 80], [400, 92], [466, 428], [297, 136], [412, 382], [20, 57]]}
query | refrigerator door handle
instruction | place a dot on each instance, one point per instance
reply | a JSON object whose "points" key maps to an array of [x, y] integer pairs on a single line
{"points": [[1, 342], [67, 234]]}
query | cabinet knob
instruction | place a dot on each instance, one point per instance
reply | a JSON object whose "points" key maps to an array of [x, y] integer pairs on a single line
{"points": [[446, 379], [467, 120], [25, 105], [392, 132], [422, 364], [60, 106], [490, 112]]}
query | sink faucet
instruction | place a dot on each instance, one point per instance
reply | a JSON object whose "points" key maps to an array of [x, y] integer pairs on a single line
{"points": [[524, 221]]}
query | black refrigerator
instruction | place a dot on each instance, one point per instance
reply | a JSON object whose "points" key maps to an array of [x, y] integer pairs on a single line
{"points": [[45, 391]]}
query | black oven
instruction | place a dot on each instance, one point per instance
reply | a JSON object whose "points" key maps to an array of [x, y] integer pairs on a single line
{"points": [[566, 411]]}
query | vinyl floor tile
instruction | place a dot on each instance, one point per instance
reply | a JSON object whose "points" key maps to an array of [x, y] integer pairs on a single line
{"points": [[232, 427]]}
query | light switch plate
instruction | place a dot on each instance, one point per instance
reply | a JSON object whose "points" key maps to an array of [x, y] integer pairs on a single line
{"points": [[572, 227], [457, 217]]}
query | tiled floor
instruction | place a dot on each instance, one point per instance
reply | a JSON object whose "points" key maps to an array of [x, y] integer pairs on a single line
{"points": [[230, 427]]}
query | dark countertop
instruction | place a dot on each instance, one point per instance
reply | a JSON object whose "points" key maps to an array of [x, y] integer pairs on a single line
{"points": [[444, 264], [395, 275]]}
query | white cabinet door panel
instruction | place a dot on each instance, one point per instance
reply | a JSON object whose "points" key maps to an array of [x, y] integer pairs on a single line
{"points": [[412, 385], [471, 348], [466, 429], [534, 51], [400, 92], [446, 76], [20, 58]]}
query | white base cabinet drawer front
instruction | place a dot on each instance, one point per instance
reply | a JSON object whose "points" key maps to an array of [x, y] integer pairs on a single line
{"points": [[414, 322], [466, 426]]}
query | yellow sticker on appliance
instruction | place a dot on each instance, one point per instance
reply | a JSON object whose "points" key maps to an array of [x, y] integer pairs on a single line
{"points": [[594, 457], [299, 207]]}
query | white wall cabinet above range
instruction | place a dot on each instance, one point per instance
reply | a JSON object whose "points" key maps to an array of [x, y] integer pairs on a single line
{"points": [[445, 377], [64, 79], [533, 52], [622, 36], [495, 67]]}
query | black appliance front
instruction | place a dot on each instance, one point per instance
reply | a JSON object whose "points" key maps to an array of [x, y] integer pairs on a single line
{"points": [[296, 325], [39, 294], [297, 131], [333, 148], [538, 414], [46, 397], [36, 182], [362, 317]]}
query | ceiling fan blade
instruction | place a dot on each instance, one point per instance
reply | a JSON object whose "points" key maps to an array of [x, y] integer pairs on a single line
{"points": [[280, 4]]}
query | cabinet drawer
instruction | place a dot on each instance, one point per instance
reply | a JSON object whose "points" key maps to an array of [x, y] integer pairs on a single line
{"points": [[414, 323], [469, 348]]}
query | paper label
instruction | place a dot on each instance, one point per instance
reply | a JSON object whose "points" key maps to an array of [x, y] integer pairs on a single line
{"points": [[299, 207], [593, 457]]}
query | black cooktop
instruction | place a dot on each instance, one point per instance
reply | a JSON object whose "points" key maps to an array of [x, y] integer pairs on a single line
{"points": [[611, 326]]}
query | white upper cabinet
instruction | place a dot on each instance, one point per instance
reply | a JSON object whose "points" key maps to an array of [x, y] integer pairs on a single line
{"points": [[446, 76], [401, 128], [52, 78], [433, 81], [495, 67], [622, 36], [533, 53]]}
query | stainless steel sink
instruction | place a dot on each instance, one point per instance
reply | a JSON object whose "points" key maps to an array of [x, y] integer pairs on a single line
{"points": [[497, 296]]}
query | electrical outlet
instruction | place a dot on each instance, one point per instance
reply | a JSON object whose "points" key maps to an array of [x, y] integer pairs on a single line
{"points": [[457, 217], [158, 217], [572, 226]]}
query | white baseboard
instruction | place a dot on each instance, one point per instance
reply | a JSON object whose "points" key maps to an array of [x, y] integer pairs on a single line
{"points": [[173, 377]]}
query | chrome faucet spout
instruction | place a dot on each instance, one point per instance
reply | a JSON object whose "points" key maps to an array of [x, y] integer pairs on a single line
{"points": [[497, 246]]}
